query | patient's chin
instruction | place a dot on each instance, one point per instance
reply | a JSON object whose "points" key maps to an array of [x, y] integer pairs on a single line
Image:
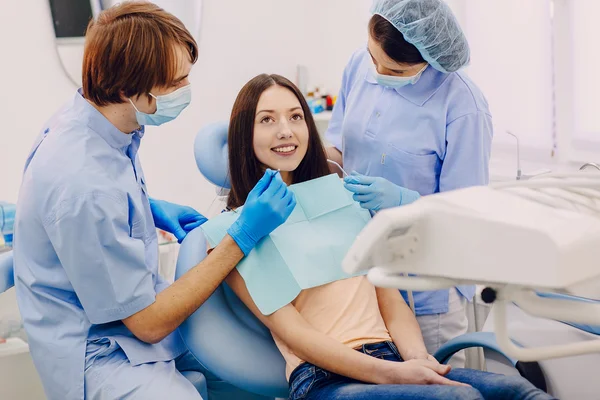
{"points": [[285, 166]]}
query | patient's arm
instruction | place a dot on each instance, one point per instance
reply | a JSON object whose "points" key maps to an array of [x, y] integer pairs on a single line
{"points": [[312, 345], [177, 302], [331, 355], [401, 324]]}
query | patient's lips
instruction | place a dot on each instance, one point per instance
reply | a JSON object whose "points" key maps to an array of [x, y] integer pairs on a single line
{"points": [[285, 150]]}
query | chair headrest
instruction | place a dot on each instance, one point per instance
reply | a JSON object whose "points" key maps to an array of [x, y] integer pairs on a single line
{"points": [[6, 271], [210, 150]]}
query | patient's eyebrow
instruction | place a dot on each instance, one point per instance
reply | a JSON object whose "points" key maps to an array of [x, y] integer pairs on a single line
{"points": [[272, 111]]}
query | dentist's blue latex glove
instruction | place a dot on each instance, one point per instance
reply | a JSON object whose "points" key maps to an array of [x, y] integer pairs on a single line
{"points": [[268, 205], [175, 219], [378, 193]]}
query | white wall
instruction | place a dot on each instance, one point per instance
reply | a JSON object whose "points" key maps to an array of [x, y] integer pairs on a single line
{"points": [[238, 40], [31, 83]]}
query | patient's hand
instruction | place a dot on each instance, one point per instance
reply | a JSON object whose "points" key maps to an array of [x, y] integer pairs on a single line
{"points": [[2, 340], [420, 355], [419, 372]]}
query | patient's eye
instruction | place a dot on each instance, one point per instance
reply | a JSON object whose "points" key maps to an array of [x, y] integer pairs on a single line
{"points": [[297, 117], [266, 120]]}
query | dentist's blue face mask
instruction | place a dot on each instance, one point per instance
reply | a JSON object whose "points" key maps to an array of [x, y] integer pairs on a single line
{"points": [[396, 82], [168, 107]]}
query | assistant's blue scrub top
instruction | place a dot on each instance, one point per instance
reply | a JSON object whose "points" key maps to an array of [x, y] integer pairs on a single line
{"points": [[431, 137]]}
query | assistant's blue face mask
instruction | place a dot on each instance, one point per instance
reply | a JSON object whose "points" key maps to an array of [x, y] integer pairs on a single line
{"points": [[168, 107], [396, 82]]}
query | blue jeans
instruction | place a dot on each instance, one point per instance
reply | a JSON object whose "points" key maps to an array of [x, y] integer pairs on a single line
{"points": [[311, 382]]}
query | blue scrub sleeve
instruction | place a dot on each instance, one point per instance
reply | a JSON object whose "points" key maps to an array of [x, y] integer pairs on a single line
{"points": [[103, 262], [334, 129], [468, 148]]}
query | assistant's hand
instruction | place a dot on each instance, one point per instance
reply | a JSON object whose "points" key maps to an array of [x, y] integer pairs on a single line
{"points": [[268, 205], [175, 219], [378, 193]]}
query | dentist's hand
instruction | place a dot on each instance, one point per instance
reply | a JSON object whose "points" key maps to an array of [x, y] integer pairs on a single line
{"points": [[175, 219], [268, 205], [378, 193]]}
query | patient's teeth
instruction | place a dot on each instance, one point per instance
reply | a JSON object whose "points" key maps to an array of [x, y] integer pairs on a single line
{"points": [[285, 149]]}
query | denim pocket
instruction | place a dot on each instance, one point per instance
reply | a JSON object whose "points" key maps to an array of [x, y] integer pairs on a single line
{"points": [[381, 354], [302, 383], [384, 351]]}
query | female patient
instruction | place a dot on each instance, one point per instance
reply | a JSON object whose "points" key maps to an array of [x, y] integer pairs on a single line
{"points": [[347, 339]]}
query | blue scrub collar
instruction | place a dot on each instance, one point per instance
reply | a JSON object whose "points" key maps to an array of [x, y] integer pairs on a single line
{"points": [[430, 82], [99, 124]]}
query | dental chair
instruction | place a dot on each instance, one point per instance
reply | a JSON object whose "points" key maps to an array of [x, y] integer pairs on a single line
{"points": [[223, 334], [6, 271], [25, 379], [234, 345]]}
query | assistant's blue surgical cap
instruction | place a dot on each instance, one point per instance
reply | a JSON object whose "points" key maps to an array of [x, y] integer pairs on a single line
{"points": [[431, 27]]}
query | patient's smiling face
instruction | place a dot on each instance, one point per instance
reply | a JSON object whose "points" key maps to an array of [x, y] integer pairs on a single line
{"points": [[280, 132]]}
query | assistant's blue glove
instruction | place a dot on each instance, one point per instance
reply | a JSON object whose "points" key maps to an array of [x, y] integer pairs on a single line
{"points": [[378, 193], [268, 205], [175, 219]]}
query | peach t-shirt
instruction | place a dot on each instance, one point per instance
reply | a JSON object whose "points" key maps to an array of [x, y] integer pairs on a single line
{"points": [[345, 310]]}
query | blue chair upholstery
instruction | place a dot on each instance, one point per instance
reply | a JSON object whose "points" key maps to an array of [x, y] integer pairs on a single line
{"points": [[593, 329], [199, 381], [212, 158], [226, 337], [7, 279], [486, 340]]}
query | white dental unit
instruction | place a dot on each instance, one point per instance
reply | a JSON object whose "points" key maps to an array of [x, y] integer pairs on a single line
{"points": [[527, 242]]}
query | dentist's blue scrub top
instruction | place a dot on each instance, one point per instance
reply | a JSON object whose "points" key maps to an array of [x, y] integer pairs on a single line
{"points": [[431, 137], [85, 248]]}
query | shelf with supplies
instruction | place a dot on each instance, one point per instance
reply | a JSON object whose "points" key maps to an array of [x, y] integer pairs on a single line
{"points": [[323, 116], [322, 122]]}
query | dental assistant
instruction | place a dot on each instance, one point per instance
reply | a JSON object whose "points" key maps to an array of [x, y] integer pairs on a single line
{"points": [[101, 322], [410, 124]]}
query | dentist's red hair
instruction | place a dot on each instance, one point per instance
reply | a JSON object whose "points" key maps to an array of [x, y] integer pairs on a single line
{"points": [[130, 49]]}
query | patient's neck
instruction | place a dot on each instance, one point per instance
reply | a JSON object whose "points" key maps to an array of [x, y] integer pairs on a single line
{"points": [[287, 177]]}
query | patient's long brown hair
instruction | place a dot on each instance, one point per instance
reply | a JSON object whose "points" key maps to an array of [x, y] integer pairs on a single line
{"points": [[245, 170]]}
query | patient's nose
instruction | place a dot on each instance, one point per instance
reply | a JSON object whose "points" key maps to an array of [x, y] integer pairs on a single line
{"points": [[284, 131]]}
